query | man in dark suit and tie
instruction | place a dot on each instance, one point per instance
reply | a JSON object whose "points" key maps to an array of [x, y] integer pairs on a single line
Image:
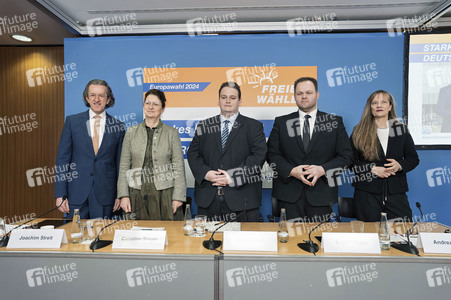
{"points": [[303, 146], [226, 156], [91, 141]]}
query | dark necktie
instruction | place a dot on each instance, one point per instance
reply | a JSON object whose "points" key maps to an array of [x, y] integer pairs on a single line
{"points": [[306, 132]]}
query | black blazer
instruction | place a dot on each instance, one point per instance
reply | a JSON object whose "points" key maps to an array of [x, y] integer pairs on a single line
{"points": [[242, 158], [401, 148], [329, 148]]}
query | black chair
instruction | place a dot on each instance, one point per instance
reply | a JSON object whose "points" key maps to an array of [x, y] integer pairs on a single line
{"points": [[275, 210], [345, 208]]}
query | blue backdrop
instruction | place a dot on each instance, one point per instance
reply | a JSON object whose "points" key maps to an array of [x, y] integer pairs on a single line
{"points": [[375, 58]]}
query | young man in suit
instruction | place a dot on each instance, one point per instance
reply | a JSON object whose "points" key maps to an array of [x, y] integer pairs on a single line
{"points": [[91, 141], [303, 146], [226, 156]]}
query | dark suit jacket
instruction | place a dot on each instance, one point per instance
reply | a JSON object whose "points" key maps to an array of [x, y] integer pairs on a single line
{"points": [[100, 170], [329, 148], [243, 157], [401, 148]]}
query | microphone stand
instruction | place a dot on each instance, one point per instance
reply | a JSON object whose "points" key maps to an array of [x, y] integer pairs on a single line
{"points": [[212, 244], [409, 247], [309, 245], [5, 239]]}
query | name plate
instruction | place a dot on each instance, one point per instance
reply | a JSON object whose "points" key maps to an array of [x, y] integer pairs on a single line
{"points": [[250, 241], [435, 242], [140, 239], [37, 239], [344, 242]]}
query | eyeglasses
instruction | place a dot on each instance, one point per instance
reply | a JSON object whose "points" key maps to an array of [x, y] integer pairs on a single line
{"points": [[101, 96], [153, 103]]}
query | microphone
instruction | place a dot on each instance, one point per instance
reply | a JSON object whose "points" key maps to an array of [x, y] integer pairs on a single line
{"points": [[212, 244], [5, 239], [309, 245], [409, 247], [98, 243]]}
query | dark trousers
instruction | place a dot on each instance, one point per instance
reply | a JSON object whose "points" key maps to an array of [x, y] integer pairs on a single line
{"points": [[91, 208], [303, 209], [220, 211], [368, 206]]}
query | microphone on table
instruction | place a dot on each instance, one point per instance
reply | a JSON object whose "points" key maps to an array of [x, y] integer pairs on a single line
{"points": [[309, 245], [409, 247], [5, 239], [98, 243]]}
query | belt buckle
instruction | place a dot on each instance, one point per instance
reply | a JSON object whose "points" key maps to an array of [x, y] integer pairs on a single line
{"points": [[220, 192]]}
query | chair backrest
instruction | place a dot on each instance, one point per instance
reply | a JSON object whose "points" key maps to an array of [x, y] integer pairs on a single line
{"points": [[275, 207], [345, 207]]}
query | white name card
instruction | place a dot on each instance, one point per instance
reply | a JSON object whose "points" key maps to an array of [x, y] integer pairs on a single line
{"points": [[435, 242], [344, 242], [37, 239], [250, 241], [140, 239]]}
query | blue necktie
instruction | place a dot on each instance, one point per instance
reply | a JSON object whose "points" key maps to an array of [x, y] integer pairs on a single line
{"points": [[225, 133]]}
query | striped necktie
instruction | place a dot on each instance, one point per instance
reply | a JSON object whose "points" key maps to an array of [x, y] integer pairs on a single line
{"points": [[225, 133]]}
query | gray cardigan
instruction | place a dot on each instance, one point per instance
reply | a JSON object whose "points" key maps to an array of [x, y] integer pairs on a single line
{"points": [[167, 157]]}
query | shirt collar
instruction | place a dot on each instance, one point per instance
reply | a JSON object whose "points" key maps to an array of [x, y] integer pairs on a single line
{"points": [[312, 114], [232, 119], [92, 114]]}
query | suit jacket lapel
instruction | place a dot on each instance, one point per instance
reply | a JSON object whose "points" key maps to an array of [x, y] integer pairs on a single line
{"points": [[87, 136], [106, 133], [217, 132]]}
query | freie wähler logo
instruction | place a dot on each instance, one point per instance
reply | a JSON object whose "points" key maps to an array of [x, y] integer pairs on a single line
{"points": [[438, 276], [438, 176], [148, 275], [349, 75], [48, 275], [349, 275], [250, 275]]}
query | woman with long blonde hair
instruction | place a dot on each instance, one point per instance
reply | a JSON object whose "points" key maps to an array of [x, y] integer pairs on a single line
{"points": [[384, 152]]}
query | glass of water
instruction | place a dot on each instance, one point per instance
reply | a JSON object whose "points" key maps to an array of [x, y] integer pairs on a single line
{"points": [[199, 225]]}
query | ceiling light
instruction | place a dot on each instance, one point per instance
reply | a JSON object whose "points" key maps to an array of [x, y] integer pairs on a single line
{"points": [[21, 38]]}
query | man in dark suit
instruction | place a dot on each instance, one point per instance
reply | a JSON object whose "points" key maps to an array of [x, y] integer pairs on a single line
{"points": [[91, 141], [303, 146], [226, 156]]}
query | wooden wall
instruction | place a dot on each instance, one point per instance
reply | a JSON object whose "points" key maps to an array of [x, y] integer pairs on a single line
{"points": [[28, 149]]}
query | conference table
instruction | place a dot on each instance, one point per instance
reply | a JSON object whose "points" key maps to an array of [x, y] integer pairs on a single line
{"points": [[186, 270]]}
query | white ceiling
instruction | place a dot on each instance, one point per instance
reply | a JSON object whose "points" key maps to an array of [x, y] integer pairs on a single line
{"points": [[55, 20]]}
